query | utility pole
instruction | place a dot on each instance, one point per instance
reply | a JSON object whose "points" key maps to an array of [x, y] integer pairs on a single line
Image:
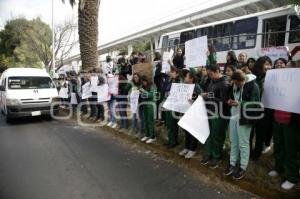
{"points": [[53, 55]]}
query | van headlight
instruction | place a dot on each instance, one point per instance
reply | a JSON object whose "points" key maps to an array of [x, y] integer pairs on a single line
{"points": [[12, 102]]}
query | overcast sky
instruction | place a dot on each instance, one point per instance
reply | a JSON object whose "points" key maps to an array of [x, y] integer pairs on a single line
{"points": [[117, 18]]}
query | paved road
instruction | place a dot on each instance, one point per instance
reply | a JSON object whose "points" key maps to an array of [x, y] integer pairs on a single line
{"points": [[42, 159]]}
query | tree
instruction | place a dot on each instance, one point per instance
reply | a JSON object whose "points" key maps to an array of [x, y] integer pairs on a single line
{"points": [[16, 42], [28, 43], [64, 41], [88, 11], [37, 37]]}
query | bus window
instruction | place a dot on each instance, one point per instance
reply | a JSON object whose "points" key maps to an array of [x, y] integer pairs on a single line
{"points": [[270, 27], [223, 30], [185, 36], [205, 31], [295, 26], [242, 31], [165, 42], [173, 44]]}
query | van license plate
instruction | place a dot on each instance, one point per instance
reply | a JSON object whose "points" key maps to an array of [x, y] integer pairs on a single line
{"points": [[36, 113]]}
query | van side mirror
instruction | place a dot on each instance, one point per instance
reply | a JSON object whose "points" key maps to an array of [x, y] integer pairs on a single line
{"points": [[2, 88]]}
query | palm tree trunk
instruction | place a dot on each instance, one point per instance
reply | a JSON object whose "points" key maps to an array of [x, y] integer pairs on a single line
{"points": [[88, 33]]}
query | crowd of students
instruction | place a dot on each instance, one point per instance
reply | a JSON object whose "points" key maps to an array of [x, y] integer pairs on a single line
{"points": [[225, 92]]}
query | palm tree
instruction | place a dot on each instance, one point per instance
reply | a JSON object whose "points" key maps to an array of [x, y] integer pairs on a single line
{"points": [[88, 11]]}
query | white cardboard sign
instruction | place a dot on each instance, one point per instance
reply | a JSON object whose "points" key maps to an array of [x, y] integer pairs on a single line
{"points": [[86, 91], [195, 121], [178, 100], [102, 93], [134, 100], [281, 90], [195, 52]]}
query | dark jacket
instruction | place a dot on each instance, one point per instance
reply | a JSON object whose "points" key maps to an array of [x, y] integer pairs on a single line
{"points": [[218, 93], [178, 62], [124, 88], [250, 94], [204, 83], [167, 86]]}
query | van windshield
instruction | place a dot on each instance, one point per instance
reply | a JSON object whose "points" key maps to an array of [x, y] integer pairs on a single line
{"points": [[30, 83]]}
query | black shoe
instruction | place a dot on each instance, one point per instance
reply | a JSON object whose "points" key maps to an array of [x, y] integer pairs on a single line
{"points": [[214, 164], [239, 174], [229, 170], [205, 161]]}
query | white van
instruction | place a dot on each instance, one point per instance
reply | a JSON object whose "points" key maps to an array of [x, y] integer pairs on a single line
{"points": [[27, 92]]}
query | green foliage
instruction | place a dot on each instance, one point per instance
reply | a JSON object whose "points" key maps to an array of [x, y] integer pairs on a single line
{"points": [[25, 43]]}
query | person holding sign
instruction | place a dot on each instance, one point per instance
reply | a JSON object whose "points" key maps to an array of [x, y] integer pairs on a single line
{"points": [[122, 100], [178, 60], [263, 128], [136, 84], [242, 93], [147, 101], [171, 119], [191, 142], [286, 127], [216, 104]]}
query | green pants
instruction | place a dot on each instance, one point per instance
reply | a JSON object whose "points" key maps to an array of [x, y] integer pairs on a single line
{"points": [[148, 115], [215, 141], [240, 143], [172, 127], [285, 150]]}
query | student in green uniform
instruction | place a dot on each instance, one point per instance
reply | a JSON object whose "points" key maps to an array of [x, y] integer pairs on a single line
{"points": [[263, 128], [211, 55], [149, 106], [216, 104], [286, 127], [171, 116], [191, 142], [243, 92]]}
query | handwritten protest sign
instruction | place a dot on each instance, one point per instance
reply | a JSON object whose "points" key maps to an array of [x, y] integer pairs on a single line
{"points": [[144, 69], [275, 52], [195, 121], [102, 93], [94, 83], [281, 90], [195, 52], [134, 99], [113, 85], [167, 56], [74, 98], [63, 93], [178, 99], [86, 91]]}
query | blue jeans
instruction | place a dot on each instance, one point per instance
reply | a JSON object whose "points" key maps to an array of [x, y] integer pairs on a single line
{"points": [[111, 109], [123, 113], [134, 124]]}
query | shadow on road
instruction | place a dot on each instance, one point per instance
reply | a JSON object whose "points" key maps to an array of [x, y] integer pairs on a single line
{"points": [[26, 120]]}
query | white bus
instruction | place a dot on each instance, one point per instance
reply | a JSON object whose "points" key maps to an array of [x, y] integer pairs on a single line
{"points": [[249, 33]]}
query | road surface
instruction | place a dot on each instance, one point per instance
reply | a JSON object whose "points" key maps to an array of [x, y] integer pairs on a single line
{"points": [[42, 159]]}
